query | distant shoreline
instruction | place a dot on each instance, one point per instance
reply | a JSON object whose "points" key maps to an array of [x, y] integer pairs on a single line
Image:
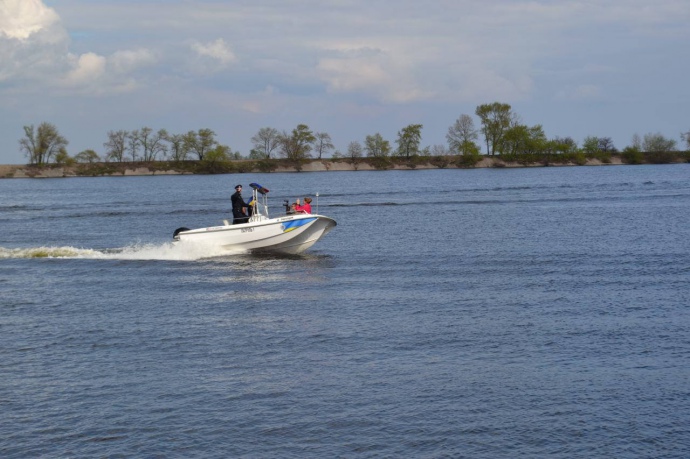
{"points": [[314, 165]]}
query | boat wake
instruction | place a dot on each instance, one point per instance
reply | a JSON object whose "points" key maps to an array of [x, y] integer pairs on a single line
{"points": [[166, 251]]}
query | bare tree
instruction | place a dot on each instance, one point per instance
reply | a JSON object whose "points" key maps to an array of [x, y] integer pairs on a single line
{"points": [[606, 144], [354, 150], [41, 144], [636, 143], [438, 150], [461, 133], [657, 143], [116, 146], [685, 137], [265, 141], [323, 143], [133, 144], [179, 147], [152, 143]]}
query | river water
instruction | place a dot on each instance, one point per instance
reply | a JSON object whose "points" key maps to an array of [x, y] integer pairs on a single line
{"points": [[493, 313]]}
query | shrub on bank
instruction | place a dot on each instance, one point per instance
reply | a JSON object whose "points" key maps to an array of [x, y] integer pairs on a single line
{"points": [[379, 162], [439, 161], [469, 159], [266, 165], [660, 157]]}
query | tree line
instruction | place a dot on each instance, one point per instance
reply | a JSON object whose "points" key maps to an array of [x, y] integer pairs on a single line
{"points": [[500, 131]]}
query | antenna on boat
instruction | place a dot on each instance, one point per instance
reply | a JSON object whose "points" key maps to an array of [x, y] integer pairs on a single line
{"points": [[317, 202]]}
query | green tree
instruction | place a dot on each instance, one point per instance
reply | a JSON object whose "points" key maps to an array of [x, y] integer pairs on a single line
{"points": [[524, 140], [41, 144], [265, 142], [632, 155], [216, 160], [590, 145], [116, 146], [63, 158], [461, 134], [218, 155], [87, 156], [470, 154], [563, 145], [256, 154], [657, 143], [409, 139], [495, 118], [376, 146], [297, 146], [201, 142]]}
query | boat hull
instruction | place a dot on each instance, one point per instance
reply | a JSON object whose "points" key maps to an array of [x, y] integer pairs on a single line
{"points": [[292, 234]]}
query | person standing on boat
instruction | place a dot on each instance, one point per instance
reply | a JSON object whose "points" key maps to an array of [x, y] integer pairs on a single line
{"points": [[306, 208], [239, 207]]}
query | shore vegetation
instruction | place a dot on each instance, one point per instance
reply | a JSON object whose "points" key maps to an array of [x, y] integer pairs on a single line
{"points": [[500, 132]]}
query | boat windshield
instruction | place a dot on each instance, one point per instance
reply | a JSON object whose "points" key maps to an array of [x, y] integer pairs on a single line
{"points": [[260, 206], [261, 209]]}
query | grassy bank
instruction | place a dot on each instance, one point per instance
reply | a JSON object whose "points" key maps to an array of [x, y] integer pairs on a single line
{"points": [[339, 164]]}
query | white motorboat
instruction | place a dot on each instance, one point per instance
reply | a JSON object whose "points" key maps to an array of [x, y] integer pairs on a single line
{"points": [[292, 233]]}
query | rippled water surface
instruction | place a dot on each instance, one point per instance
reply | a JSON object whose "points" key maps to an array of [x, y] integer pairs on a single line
{"points": [[451, 313]]}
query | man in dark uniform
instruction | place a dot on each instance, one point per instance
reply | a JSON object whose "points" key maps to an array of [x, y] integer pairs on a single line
{"points": [[238, 207]]}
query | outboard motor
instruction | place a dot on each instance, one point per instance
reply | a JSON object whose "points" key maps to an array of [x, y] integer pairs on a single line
{"points": [[178, 231], [288, 208]]}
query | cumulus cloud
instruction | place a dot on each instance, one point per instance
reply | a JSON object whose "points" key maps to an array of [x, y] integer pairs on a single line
{"points": [[217, 50], [32, 41], [34, 48], [382, 74], [20, 19], [87, 68]]}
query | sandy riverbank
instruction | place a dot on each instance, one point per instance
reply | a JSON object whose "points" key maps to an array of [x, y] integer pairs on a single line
{"points": [[123, 169]]}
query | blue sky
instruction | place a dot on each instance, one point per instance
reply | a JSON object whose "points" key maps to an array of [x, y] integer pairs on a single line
{"points": [[350, 68]]}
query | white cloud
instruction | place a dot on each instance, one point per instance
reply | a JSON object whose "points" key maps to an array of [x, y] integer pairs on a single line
{"points": [[19, 19], [130, 60], [347, 60], [88, 68], [384, 73], [217, 50], [34, 54]]}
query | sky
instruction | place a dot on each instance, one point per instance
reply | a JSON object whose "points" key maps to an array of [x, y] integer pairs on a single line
{"points": [[350, 68]]}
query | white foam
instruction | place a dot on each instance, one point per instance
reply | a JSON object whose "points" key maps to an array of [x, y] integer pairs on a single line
{"points": [[166, 251]]}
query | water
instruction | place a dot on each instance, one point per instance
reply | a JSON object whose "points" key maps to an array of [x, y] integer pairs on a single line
{"points": [[451, 313]]}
